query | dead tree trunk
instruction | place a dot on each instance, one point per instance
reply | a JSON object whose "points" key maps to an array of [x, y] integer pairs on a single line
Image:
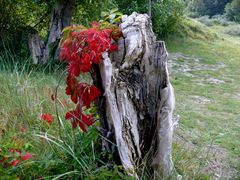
{"points": [[138, 99], [60, 17]]}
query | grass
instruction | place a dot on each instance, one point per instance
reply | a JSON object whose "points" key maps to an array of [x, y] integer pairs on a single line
{"points": [[58, 150], [209, 114], [215, 122]]}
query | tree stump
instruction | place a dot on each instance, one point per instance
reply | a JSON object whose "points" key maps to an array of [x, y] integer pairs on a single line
{"points": [[138, 100]]}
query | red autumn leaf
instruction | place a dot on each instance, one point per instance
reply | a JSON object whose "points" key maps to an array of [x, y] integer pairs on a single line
{"points": [[73, 68], [116, 34], [71, 88], [26, 156], [107, 32], [53, 97], [47, 117], [85, 64], [15, 151], [79, 119], [113, 47], [87, 93], [14, 162], [91, 35], [81, 49], [66, 50]]}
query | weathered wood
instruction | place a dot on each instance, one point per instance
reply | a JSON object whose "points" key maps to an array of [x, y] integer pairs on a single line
{"points": [[138, 99], [60, 17], [37, 48]]}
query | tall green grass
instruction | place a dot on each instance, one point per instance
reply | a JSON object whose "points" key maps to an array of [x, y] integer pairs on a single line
{"points": [[58, 150]]}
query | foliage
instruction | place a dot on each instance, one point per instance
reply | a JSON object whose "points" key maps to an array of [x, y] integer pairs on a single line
{"points": [[58, 150], [191, 28], [21, 17], [233, 10], [129, 6], [16, 22], [215, 20], [207, 7], [166, 14], [81, 48], [25, 93], [12, 157], [88, 11]]}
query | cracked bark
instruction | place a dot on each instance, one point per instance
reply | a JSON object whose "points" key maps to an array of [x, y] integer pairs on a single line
{"points": [[138, 99], [60, 17]]}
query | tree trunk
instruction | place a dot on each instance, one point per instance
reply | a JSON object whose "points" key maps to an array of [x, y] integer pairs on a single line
{"points": [[60, 17], [150, 8], [138, 100]]}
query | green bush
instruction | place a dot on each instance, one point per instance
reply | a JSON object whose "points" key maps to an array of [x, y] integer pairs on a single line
{"points": [[215, 20], [207, 7], [232, 11], [167, 17], [166, 14]]}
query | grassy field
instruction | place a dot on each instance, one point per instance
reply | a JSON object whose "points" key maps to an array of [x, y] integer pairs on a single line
{"points": [[205, 74]]}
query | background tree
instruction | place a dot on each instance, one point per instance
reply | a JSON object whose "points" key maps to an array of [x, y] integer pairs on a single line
{"points": [[61, 16], [233, 10], [208, 7], [21, 17], [166, 15], [16, 22]]}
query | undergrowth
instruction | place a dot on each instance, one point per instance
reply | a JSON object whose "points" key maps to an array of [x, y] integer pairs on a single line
{"points": [[190, 28], [58, 151]]}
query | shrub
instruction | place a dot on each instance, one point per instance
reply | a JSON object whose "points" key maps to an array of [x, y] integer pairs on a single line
{"points": [[205, 20], [167, 17], [221, 19], [207, 7], [166, 14], [232, 11], [234, 31], [217, 19]]}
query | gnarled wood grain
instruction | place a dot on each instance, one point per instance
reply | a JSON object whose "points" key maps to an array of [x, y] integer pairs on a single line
{"points": [[138, 99]]}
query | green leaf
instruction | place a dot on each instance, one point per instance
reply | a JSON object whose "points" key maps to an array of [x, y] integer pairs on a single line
{"points": [[113, 10], [104, 13]]}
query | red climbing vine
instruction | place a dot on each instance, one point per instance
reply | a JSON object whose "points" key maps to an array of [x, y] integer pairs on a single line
{"points": [[81, 48]]}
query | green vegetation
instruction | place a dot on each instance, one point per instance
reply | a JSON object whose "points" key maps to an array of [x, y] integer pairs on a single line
{"points": [[207, 101], [193, 29], [204, 65], [207, 7], [166, 15], [230, 9], [233, 10], [205, 74], [234, 30], [21, 18], [57, 149]]}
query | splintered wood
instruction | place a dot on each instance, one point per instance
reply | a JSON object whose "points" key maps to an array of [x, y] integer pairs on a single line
{"points": [[138, 100]]}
